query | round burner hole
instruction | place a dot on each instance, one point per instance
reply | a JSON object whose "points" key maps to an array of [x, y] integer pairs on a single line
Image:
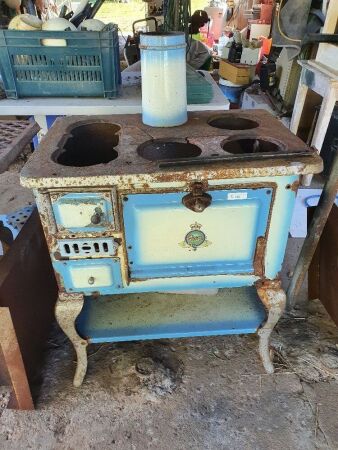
{"points": [[159, 149], [88, 145], [249, 145], [225, 122]]}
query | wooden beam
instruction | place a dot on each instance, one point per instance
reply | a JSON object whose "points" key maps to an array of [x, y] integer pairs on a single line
{"points": [[12, 369]]}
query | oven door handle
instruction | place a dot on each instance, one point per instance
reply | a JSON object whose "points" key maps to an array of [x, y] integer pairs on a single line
{"points": [[197, 200]]}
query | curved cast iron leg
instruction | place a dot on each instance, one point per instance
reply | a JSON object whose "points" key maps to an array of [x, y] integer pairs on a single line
{"points": [[68, 307], [274, 298]]}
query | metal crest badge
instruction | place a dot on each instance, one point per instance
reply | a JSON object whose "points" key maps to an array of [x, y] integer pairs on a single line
{"points": [[195, 238]]}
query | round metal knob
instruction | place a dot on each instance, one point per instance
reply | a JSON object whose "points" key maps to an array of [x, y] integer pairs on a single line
{"points": [[97, 216], [91, 280], [95, 219]]}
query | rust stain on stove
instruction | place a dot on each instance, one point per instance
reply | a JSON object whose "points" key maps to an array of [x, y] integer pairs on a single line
{"points": [[59, 280], [264, 286], [58, 257], [259, 258], [294, 186]]}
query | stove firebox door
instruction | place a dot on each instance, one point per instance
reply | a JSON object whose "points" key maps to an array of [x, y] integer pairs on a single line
{"points": [[164, 238]]}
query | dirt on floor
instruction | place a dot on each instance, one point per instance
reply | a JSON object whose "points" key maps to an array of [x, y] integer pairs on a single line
{"points": [[13, 196], [201, 393]]}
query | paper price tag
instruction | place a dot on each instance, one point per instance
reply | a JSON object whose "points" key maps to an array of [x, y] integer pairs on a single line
{"points": [[237, 195]]}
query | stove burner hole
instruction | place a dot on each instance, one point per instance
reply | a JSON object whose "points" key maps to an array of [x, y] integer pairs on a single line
{"points": [[232, 123], [88, 145], [238, 146], [159, 149]]}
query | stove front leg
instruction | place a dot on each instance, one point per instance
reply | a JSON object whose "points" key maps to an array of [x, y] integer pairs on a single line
{"points": [[273, 298], [68, 307]]}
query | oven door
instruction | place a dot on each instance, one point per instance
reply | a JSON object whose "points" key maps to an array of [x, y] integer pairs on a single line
{"points": [[164, 238]]}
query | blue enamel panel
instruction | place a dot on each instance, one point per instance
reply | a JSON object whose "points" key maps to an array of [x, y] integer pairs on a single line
{"points": [[85, 198], [171, 218], [156, 316], [281, 217], [76, 273], [185, 283]]}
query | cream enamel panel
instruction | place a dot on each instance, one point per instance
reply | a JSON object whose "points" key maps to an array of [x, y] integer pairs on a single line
{"points": [[101, 275], [229, 234], [78, 215]]}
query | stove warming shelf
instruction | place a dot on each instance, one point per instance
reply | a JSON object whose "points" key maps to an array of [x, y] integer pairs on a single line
{"points": [[114, 318]]}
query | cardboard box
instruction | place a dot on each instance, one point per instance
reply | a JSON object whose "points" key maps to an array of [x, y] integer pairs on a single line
{"points": [[257, 30], [256, 101], [250, 56], [236, 73]]}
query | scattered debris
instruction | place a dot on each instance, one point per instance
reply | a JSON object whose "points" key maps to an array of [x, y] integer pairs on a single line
{"points": [[306, 345], [5, 393]]}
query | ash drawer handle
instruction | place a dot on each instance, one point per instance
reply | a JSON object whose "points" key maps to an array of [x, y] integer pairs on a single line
{"points": [[91, 280], [97, 216]]}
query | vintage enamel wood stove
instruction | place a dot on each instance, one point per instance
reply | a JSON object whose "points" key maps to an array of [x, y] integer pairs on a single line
{"points": [[130, 211]]}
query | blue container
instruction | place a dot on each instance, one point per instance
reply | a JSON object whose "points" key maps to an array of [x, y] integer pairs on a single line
{"points": [[164, 87], [88, 66], [230, 90]]}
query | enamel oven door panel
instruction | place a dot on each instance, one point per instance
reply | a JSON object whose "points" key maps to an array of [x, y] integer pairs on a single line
{"points": [[83, 211], [166, 239]]}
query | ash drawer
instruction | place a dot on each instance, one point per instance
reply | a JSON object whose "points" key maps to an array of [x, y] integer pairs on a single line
{"points": [[84, 211], [87, 276]]}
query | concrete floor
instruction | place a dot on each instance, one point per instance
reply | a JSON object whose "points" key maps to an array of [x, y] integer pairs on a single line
{"points": [[202, 393]]}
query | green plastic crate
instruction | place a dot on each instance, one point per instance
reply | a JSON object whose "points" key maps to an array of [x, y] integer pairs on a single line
{"points": [[88, 66]]}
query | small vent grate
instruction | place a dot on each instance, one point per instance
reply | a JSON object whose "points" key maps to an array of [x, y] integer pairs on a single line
{"points": [[76, 248], [30, 67]]}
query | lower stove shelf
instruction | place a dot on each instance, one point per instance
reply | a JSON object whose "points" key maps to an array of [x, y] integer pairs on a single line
{"points": [[130, 317]]}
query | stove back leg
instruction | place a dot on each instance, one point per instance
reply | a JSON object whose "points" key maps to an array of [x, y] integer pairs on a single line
{"points": [[68, 307], [273, 298]]}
